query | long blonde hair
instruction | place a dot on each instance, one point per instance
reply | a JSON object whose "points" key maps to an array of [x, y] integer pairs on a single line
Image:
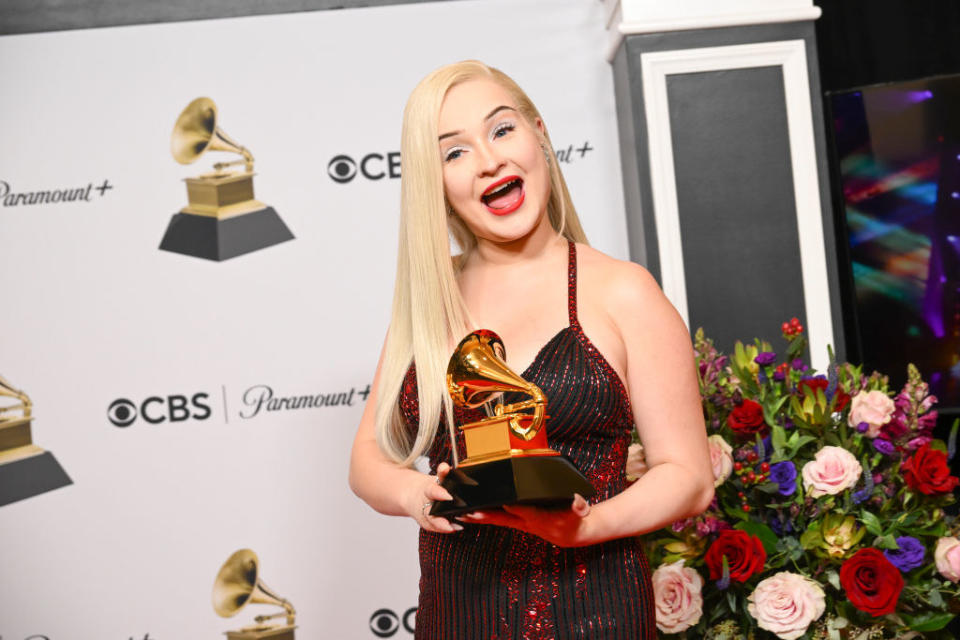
{"points": [[428, 311]]}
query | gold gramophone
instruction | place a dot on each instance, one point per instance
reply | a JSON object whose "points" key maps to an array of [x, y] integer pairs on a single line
{"points": [[222, 219], [25, 469], [238, 583], [508, 459]]}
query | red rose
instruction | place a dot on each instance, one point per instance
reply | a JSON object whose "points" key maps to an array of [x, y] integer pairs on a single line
{"points": [[746, 419], [871, 581], [927, 472], [841, 399], [745, 555]]}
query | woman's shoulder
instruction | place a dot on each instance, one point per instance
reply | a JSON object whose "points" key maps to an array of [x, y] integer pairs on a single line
{"points": [[621, 282]]}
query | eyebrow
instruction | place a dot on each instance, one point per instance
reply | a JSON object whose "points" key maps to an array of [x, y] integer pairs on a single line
{"points": [[487, 117]]}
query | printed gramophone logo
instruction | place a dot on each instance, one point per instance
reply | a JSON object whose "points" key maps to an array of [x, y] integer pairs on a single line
{"points": [[222, 219], [26, 470], [238, 583]]}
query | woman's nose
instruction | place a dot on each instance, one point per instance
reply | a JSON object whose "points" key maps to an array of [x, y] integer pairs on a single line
{"points": [[489, 160]]}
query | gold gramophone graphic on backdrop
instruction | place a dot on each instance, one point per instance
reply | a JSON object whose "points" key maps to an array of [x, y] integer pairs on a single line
{"points": [[238, 584], [25, 469], [222, 219], [508, 459]]}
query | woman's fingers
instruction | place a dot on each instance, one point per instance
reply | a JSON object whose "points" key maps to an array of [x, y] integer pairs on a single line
{"points": [[580, 506], [442, 470]]}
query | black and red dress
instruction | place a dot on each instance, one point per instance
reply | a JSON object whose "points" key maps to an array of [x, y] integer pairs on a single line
{"points": [[490, 582]]}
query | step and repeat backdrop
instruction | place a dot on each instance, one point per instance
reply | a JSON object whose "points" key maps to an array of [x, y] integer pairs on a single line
{"points": [[181, 386]]}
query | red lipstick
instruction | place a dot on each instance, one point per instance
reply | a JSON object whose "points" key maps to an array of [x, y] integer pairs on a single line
{"points": [[504, 196]]}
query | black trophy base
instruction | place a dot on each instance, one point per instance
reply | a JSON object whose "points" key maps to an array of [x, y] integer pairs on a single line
{"points": [[213, 239], [27, 477], [544, 481]]}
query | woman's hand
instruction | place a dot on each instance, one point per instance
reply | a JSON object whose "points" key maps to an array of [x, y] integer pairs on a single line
{"points": [[562, 527], [421, 497]]}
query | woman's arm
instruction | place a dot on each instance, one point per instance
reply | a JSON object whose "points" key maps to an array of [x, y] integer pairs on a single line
{"points": [[387, 486], [664, 393]]}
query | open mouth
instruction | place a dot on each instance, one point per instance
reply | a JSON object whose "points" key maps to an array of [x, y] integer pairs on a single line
{"points": [[504, 196]]}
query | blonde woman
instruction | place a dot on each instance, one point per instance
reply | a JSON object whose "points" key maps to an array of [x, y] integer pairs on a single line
{"points": [[594, 333]]}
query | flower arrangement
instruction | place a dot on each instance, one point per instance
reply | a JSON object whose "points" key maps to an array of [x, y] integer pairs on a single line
{"points": [[828, 519]]}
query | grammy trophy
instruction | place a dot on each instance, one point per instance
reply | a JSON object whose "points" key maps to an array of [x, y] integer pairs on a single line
{"points": [[508, 460]]}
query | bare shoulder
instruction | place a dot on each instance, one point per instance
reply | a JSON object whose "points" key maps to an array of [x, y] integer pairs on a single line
{"points": [[626, 287]]}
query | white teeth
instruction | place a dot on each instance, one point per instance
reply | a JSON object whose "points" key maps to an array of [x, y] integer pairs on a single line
{"points": [[501, 188]]}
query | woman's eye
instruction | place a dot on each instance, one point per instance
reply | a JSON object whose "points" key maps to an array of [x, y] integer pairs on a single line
{"points": [[502, 130], [453, 154]]}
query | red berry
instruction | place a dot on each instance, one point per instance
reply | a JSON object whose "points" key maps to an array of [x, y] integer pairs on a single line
{"points": [[800, 329], [752, 456], [737, 466], [751, 476], [746, 508], [794, 322], [785, 328], [739, 494], [762, 477], [765, 467]]}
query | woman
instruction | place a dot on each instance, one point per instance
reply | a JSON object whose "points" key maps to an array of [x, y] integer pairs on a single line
{"points": [[478, 163]]}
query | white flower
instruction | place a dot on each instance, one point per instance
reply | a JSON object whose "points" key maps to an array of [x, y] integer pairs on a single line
{"points": [[832, 470], [872, 407], [676, 593], [786, 603], [721, 459], [636, 462], [947, 556]]}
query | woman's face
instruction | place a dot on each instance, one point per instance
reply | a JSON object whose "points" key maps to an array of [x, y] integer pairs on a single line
{"points": [[495, 173]]}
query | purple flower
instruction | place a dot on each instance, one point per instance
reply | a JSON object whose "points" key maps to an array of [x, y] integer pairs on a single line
{"points": [[884, 446], [798, 365], [779, 375], [908, 556], [765, 358], [784, 474], [863, 427]]}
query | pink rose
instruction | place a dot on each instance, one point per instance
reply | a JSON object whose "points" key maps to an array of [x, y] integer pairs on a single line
{"points": [[947, 556], [721, 458], [636, 462], [786, 603], [872, 407], [832, 470], [676, 594]]}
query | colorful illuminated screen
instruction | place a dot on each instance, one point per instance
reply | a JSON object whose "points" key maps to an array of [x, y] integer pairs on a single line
{"points": [[898, 148]]}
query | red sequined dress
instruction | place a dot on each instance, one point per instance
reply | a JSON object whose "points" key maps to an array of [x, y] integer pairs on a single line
{"points": [[489, 582]]}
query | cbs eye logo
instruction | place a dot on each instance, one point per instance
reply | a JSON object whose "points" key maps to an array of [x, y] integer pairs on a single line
{"points": [[384, 623], [155, 409], [373, 166]]}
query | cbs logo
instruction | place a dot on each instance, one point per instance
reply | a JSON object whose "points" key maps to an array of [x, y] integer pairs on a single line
{"points": [[373, 166], [385, 623], [155, 409]]}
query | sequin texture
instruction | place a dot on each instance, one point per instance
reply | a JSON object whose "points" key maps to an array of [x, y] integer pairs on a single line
{"points": [[493, 582]]}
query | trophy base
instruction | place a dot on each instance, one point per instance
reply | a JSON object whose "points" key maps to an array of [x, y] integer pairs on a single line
{"points": [[221, 239], [544, 481], [271, 633], [29, 471]]}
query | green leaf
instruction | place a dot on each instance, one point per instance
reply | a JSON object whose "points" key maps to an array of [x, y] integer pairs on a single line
{"points": [[886, 542], [872, 523], [767, 537], [833, 578], [736, 513], [928, 621], [778, 437], [732, 600]]}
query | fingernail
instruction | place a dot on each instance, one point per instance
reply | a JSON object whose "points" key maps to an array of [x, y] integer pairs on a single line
{"points": [[456, 527], [449, 497]]}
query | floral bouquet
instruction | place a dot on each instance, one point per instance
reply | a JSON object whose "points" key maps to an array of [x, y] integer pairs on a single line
{"points": [[828, 520]]}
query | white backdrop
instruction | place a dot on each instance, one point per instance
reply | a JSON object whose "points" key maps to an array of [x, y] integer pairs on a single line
{"points": [[92, 311]]}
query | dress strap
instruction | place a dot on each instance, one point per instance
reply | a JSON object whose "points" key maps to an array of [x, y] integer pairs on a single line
{"points": [[572, 283]]}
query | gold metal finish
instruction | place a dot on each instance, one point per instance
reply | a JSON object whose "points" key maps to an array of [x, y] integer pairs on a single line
{"points": [[221, 194], [477, 374], [237, 584], [15, 438], [196, 132]]}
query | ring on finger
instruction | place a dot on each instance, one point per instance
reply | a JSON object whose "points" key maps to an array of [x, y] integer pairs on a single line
{"points": [[423, 509]]}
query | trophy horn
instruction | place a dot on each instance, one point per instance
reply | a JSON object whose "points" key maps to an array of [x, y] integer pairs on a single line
{"points": [[238, 583], [196, 132], [478, 374]]}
